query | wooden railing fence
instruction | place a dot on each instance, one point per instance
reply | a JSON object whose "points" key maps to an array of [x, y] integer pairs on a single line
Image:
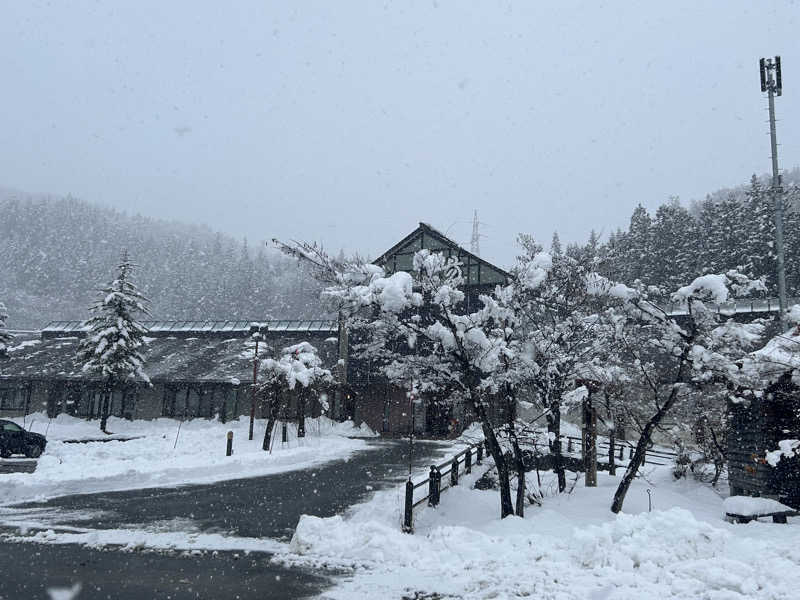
{"points": [[446, 475]]}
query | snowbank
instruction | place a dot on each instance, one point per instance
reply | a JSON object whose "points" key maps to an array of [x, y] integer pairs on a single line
{"points": [[153, 459], [572, 547], [129, 540], [748, 506]]}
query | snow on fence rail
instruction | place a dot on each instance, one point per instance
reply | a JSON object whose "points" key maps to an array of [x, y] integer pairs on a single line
{"points": [[438, 481], [446, 474], [760, 305], [652, 457]]}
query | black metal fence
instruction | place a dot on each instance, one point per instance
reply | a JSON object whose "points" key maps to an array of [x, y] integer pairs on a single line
{"points": [[440, 478]]}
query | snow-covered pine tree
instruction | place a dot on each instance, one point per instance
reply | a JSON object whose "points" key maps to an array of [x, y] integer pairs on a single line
{"points": [[708, 229], [112, 347], [637, 261], [555, 245], [732, 236], [791, 235], [760, 234], [674, 243], [5, 336]]}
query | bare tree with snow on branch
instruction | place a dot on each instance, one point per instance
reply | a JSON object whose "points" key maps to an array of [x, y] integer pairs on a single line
{"points": [[670, 357], [113, 345]]}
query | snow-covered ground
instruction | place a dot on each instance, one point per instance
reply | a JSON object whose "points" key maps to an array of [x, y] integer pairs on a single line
{"points": [[571, 547], [153, 459]]}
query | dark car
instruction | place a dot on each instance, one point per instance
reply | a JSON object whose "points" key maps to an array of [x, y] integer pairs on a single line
{"points": [[15, 440]]}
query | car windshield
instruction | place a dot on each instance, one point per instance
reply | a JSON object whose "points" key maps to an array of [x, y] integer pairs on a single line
{"points": [[11, 427]]}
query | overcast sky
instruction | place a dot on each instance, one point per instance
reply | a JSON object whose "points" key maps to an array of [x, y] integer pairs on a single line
{"points": [[349, 122]]}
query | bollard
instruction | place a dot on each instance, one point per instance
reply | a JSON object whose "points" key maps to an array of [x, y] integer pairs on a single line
{"points": [[229, 449], [468, 461], [479, 458], [409, 509], [432, 500], [284, 433], [454, 472]]}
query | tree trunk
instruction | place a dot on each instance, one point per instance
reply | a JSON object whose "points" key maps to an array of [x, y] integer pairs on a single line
{"points": [[272, 416], [590, 442], [105, 402], [301, 414], [520, 464], [641, 451], [494, 449], [554, 427], [612, 459]]}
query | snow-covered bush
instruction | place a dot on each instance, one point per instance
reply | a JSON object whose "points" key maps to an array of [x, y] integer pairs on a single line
{"points": [[297, 364]]}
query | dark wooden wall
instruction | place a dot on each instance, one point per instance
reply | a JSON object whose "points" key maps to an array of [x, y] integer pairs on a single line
{"points": [[756, 427]]}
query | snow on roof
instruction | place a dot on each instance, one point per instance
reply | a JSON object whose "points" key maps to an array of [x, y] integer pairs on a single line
{"points": [[427, 228], [755, 305], [241, 326], [167, 358], [779, 356]]}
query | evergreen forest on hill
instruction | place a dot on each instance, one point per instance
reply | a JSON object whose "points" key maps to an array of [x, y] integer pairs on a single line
{"points": [[56, 253], [729, 229]]}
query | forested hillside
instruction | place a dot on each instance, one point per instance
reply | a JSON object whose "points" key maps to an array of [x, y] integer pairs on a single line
{"points": [[55, 254], [730, 229]]}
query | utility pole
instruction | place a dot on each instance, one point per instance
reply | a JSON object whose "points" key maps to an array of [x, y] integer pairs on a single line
{"points": [[772, 84], [256, 337]]}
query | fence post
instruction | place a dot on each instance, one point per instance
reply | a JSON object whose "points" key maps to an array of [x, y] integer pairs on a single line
{"points": [[569, 444], [438, 486], [229, 449], [454, 472], [284, 434], [630, 453], [433, 488], [468, 461], [479, 458], [621, 452], [409, 508]]}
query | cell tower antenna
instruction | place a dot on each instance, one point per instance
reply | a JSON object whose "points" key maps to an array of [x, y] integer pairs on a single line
{"points": [[772, 84], [475, 242]]}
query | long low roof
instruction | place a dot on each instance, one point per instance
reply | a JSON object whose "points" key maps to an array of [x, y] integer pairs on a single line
{"points": [[168, 358], [231, 327]]}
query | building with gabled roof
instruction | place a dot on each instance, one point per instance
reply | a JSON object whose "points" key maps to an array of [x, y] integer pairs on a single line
{"points": [[481, 276]]}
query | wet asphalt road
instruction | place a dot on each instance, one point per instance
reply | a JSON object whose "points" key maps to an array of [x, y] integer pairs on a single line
{"points": [[17, 465], [258, 507], [29, 570]]}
